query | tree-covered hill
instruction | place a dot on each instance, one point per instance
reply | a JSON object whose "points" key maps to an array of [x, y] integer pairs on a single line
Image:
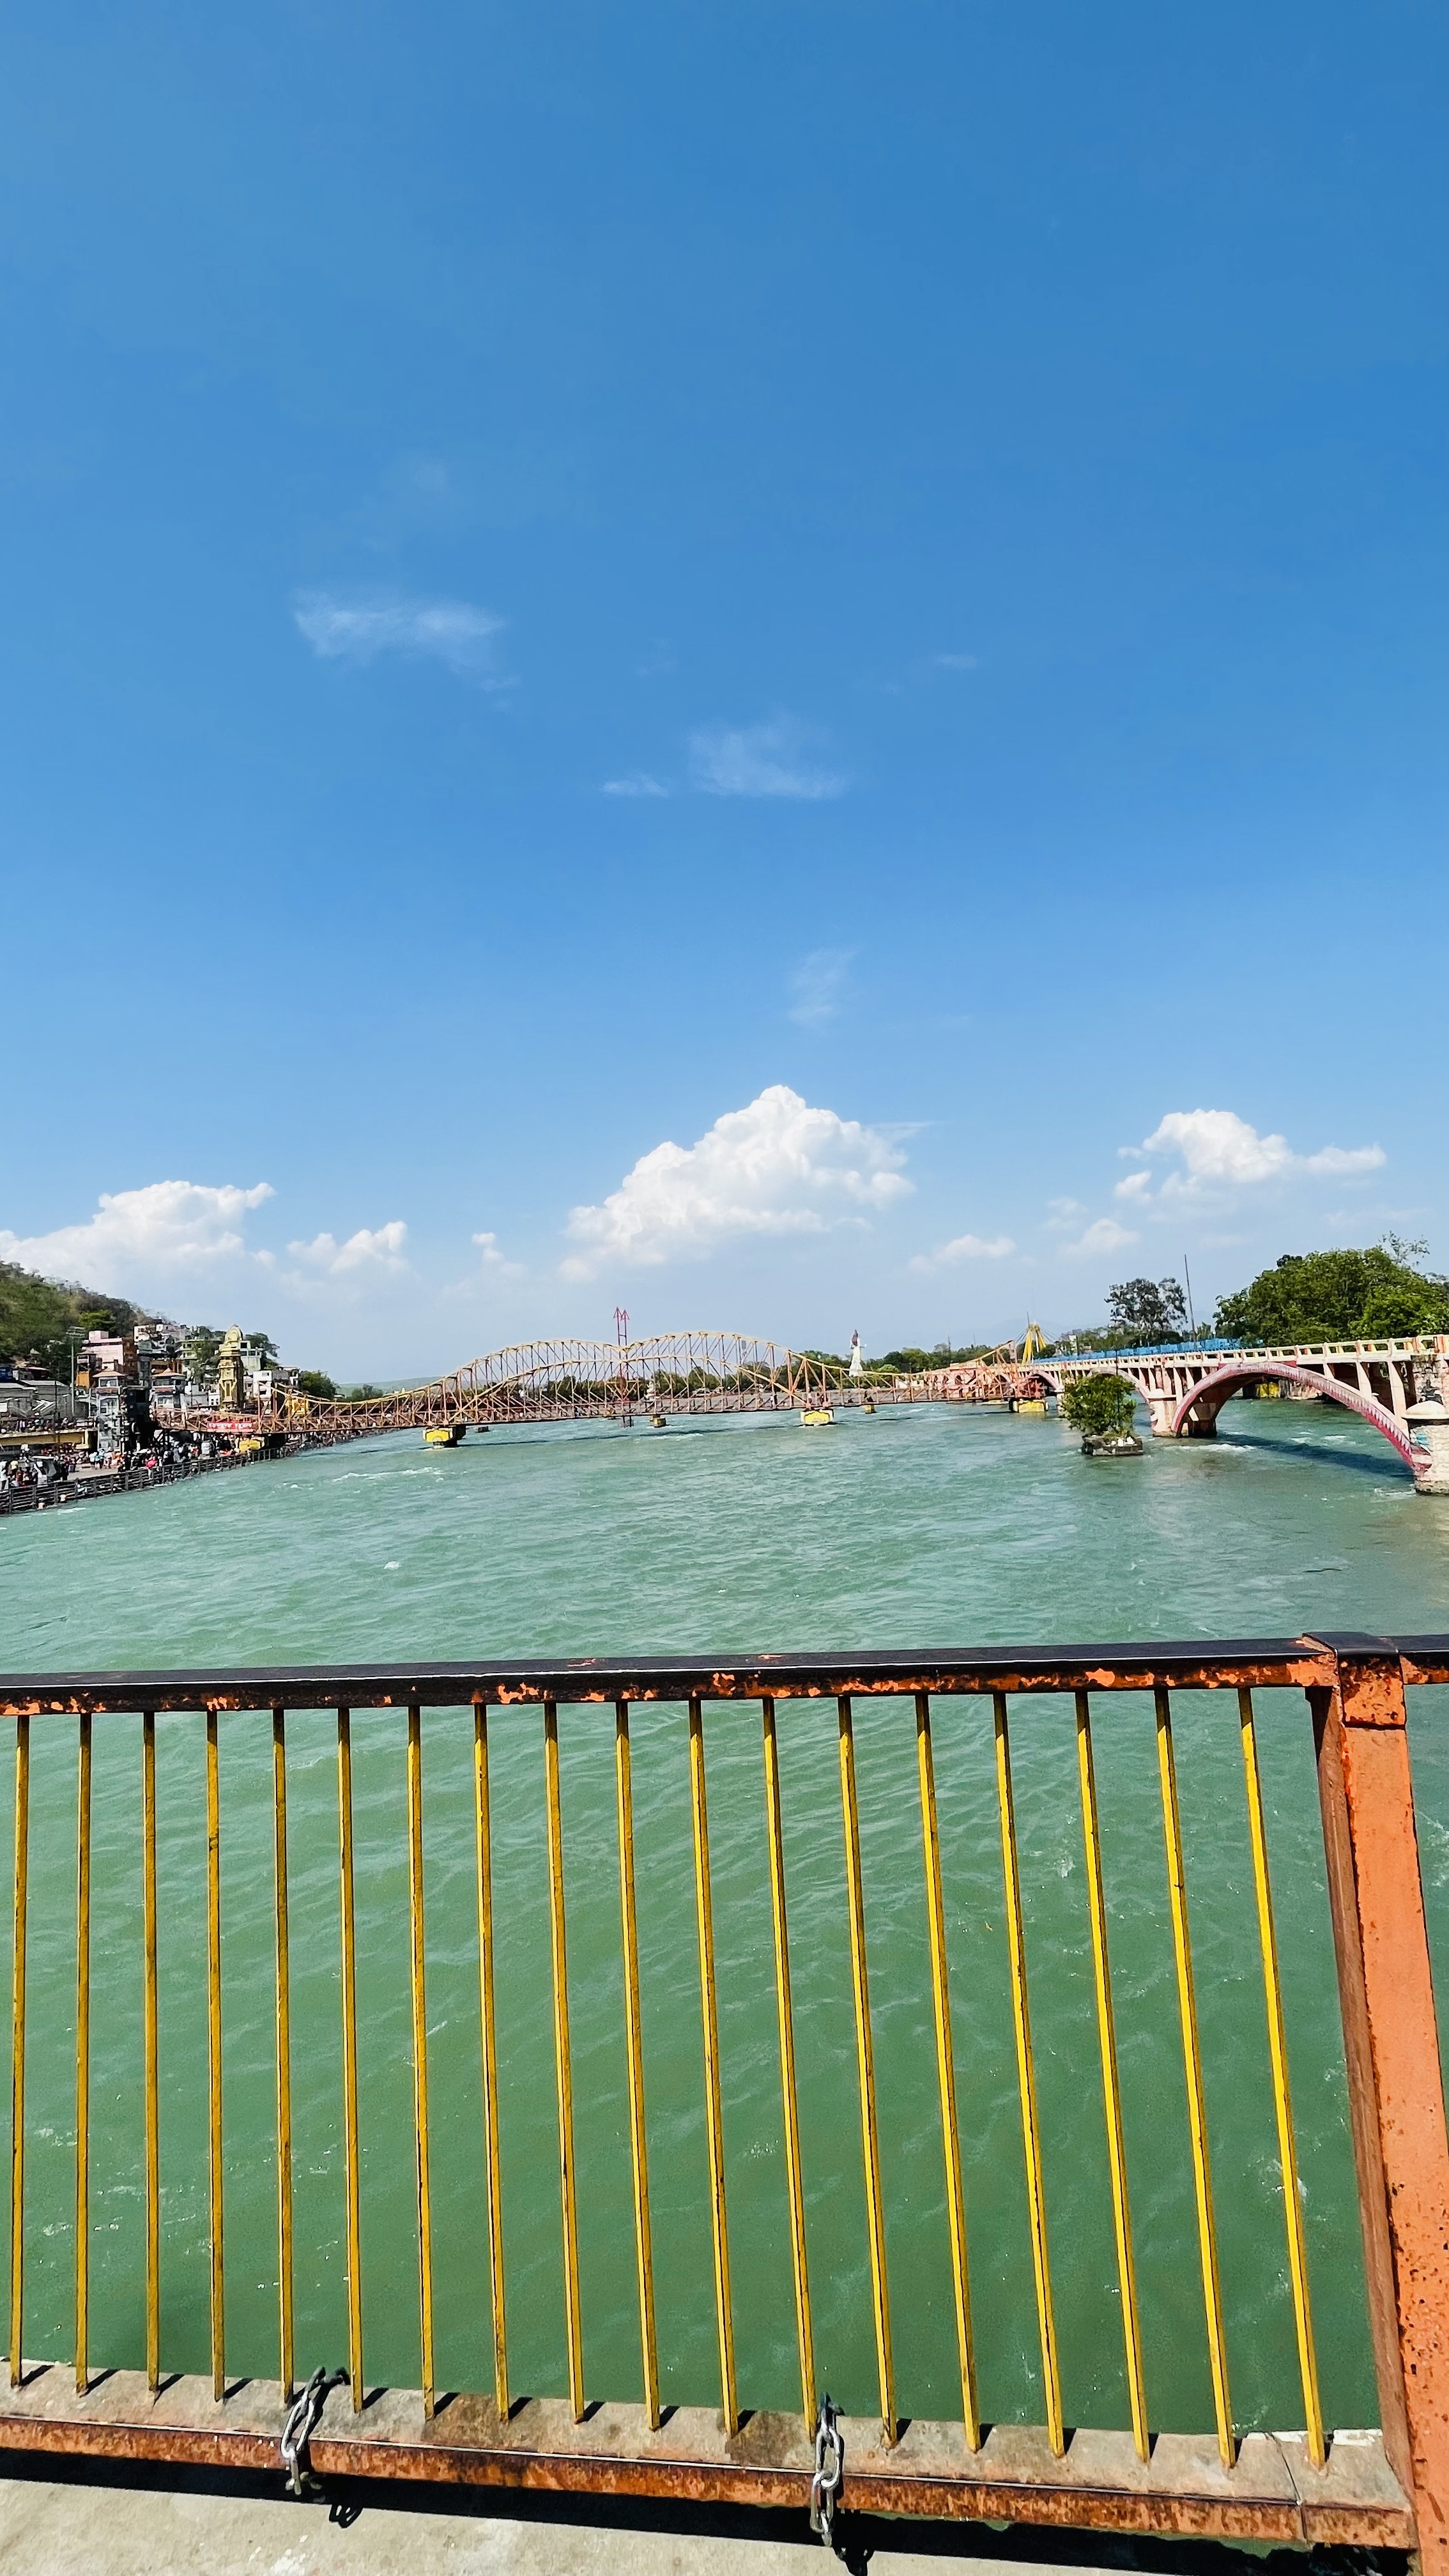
{"points": [[37, 1316]]}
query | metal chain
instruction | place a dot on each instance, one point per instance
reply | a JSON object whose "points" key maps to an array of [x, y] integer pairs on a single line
{"points": [[829, 2475], [300, 2426]]}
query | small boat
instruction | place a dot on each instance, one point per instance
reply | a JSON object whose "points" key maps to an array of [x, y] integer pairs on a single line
{"points": [[1120, 1444], [444, 1435], [815, 1417]]}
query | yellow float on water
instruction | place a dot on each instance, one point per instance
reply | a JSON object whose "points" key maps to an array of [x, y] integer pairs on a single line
{"points": [[444, 1435], [816, 1417]]}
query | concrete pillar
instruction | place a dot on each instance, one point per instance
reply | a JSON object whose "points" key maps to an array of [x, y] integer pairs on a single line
{"points": [[1162, 1408], [1429, 1424]]}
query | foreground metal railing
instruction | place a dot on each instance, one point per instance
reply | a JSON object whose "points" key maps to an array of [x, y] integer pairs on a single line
{"points": [[1389, 2487]]}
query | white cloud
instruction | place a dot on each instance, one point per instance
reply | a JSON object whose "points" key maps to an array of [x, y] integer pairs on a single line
{"points": [[167, 1227], [759, 760], [1218, 1150], [964, 1247], [818, 984], [956, 661], [371, 1250], [639, 784], [493, 1259], [451, 631], [777, 1167], [1104, 1234]]}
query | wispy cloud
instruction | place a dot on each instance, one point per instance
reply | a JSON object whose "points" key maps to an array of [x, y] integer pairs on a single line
{"points": [[372, 1249], [357, 629], [819, 984], [769, 759], [1104, 1234], [1218, 1152], [493, 1259], [964, 1247], [640, 783], [956, 661], [776, 1167]]}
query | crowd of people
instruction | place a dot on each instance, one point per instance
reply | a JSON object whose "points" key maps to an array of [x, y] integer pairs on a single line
{"points": [[32, 1478]]}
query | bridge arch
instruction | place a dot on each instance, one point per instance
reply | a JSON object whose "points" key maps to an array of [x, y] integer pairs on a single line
{"points": [[1199, 1409]]}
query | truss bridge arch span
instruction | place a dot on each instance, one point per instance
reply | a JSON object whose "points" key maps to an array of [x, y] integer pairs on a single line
{"points": [[565, 1380]]}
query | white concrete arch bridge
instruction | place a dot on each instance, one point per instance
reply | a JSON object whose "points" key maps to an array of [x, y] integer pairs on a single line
{"points": [[1398, 1385]]}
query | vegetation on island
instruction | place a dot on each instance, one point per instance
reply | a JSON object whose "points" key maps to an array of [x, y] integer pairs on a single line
{"points": [[1100, 1407]]}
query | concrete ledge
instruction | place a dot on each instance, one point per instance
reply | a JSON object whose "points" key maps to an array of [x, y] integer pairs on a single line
{"points": [[1271, 2494]]}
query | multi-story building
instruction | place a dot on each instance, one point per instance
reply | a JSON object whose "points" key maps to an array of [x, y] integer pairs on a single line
{"points": [[31, 1401], [108, 1377]]}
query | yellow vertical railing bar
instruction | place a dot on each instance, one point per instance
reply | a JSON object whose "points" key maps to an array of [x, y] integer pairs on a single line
{"points": [[1111, 2090], [213, 2055], [284, 2054], [418, 1964], [865, 2055], [492, 2169], [634, 2038], [83, 2055], [794, 2169], [351, 2170], [563, 2063], [946, 2070], [1282, 2098], [17, 2049], [149, 2050], [1026, 2078], [1192, 2068], [713, 2091]]}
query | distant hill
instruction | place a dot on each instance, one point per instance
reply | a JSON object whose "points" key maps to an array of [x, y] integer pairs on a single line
{"points": [[36, 1316]]}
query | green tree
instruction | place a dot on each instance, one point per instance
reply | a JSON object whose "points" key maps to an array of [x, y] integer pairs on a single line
{"points": [[1341, 1296], [1098, 1406], [202, 1344], [1144, 1311], [315, 1382]]}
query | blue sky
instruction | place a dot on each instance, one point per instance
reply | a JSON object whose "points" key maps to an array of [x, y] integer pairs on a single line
{"points": [[720, 658]]}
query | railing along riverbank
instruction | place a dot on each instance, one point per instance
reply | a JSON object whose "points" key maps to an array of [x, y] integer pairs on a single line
{"points": [[89, 1485], [1382, 2486]]}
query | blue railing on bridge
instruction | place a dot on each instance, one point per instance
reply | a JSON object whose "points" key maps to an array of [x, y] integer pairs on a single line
{"points": [[1154, 1350]]}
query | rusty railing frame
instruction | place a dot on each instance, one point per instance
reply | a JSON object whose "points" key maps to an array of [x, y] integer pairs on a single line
{"points": [[1389, 2490]]}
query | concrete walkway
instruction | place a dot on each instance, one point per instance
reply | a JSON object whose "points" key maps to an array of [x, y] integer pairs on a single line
{"points": [[90, 2525]]}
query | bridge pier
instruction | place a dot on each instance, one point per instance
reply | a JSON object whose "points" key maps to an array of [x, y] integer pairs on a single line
{"points": [[1163, 1409], [1429, 1424]]}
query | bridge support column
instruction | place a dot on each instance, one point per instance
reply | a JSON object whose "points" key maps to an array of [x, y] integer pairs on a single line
{"points": [[1429, 1425], [1162, 1409]]}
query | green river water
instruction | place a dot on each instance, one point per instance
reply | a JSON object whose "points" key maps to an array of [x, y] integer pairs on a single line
{"points": [[932, 1527]]}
